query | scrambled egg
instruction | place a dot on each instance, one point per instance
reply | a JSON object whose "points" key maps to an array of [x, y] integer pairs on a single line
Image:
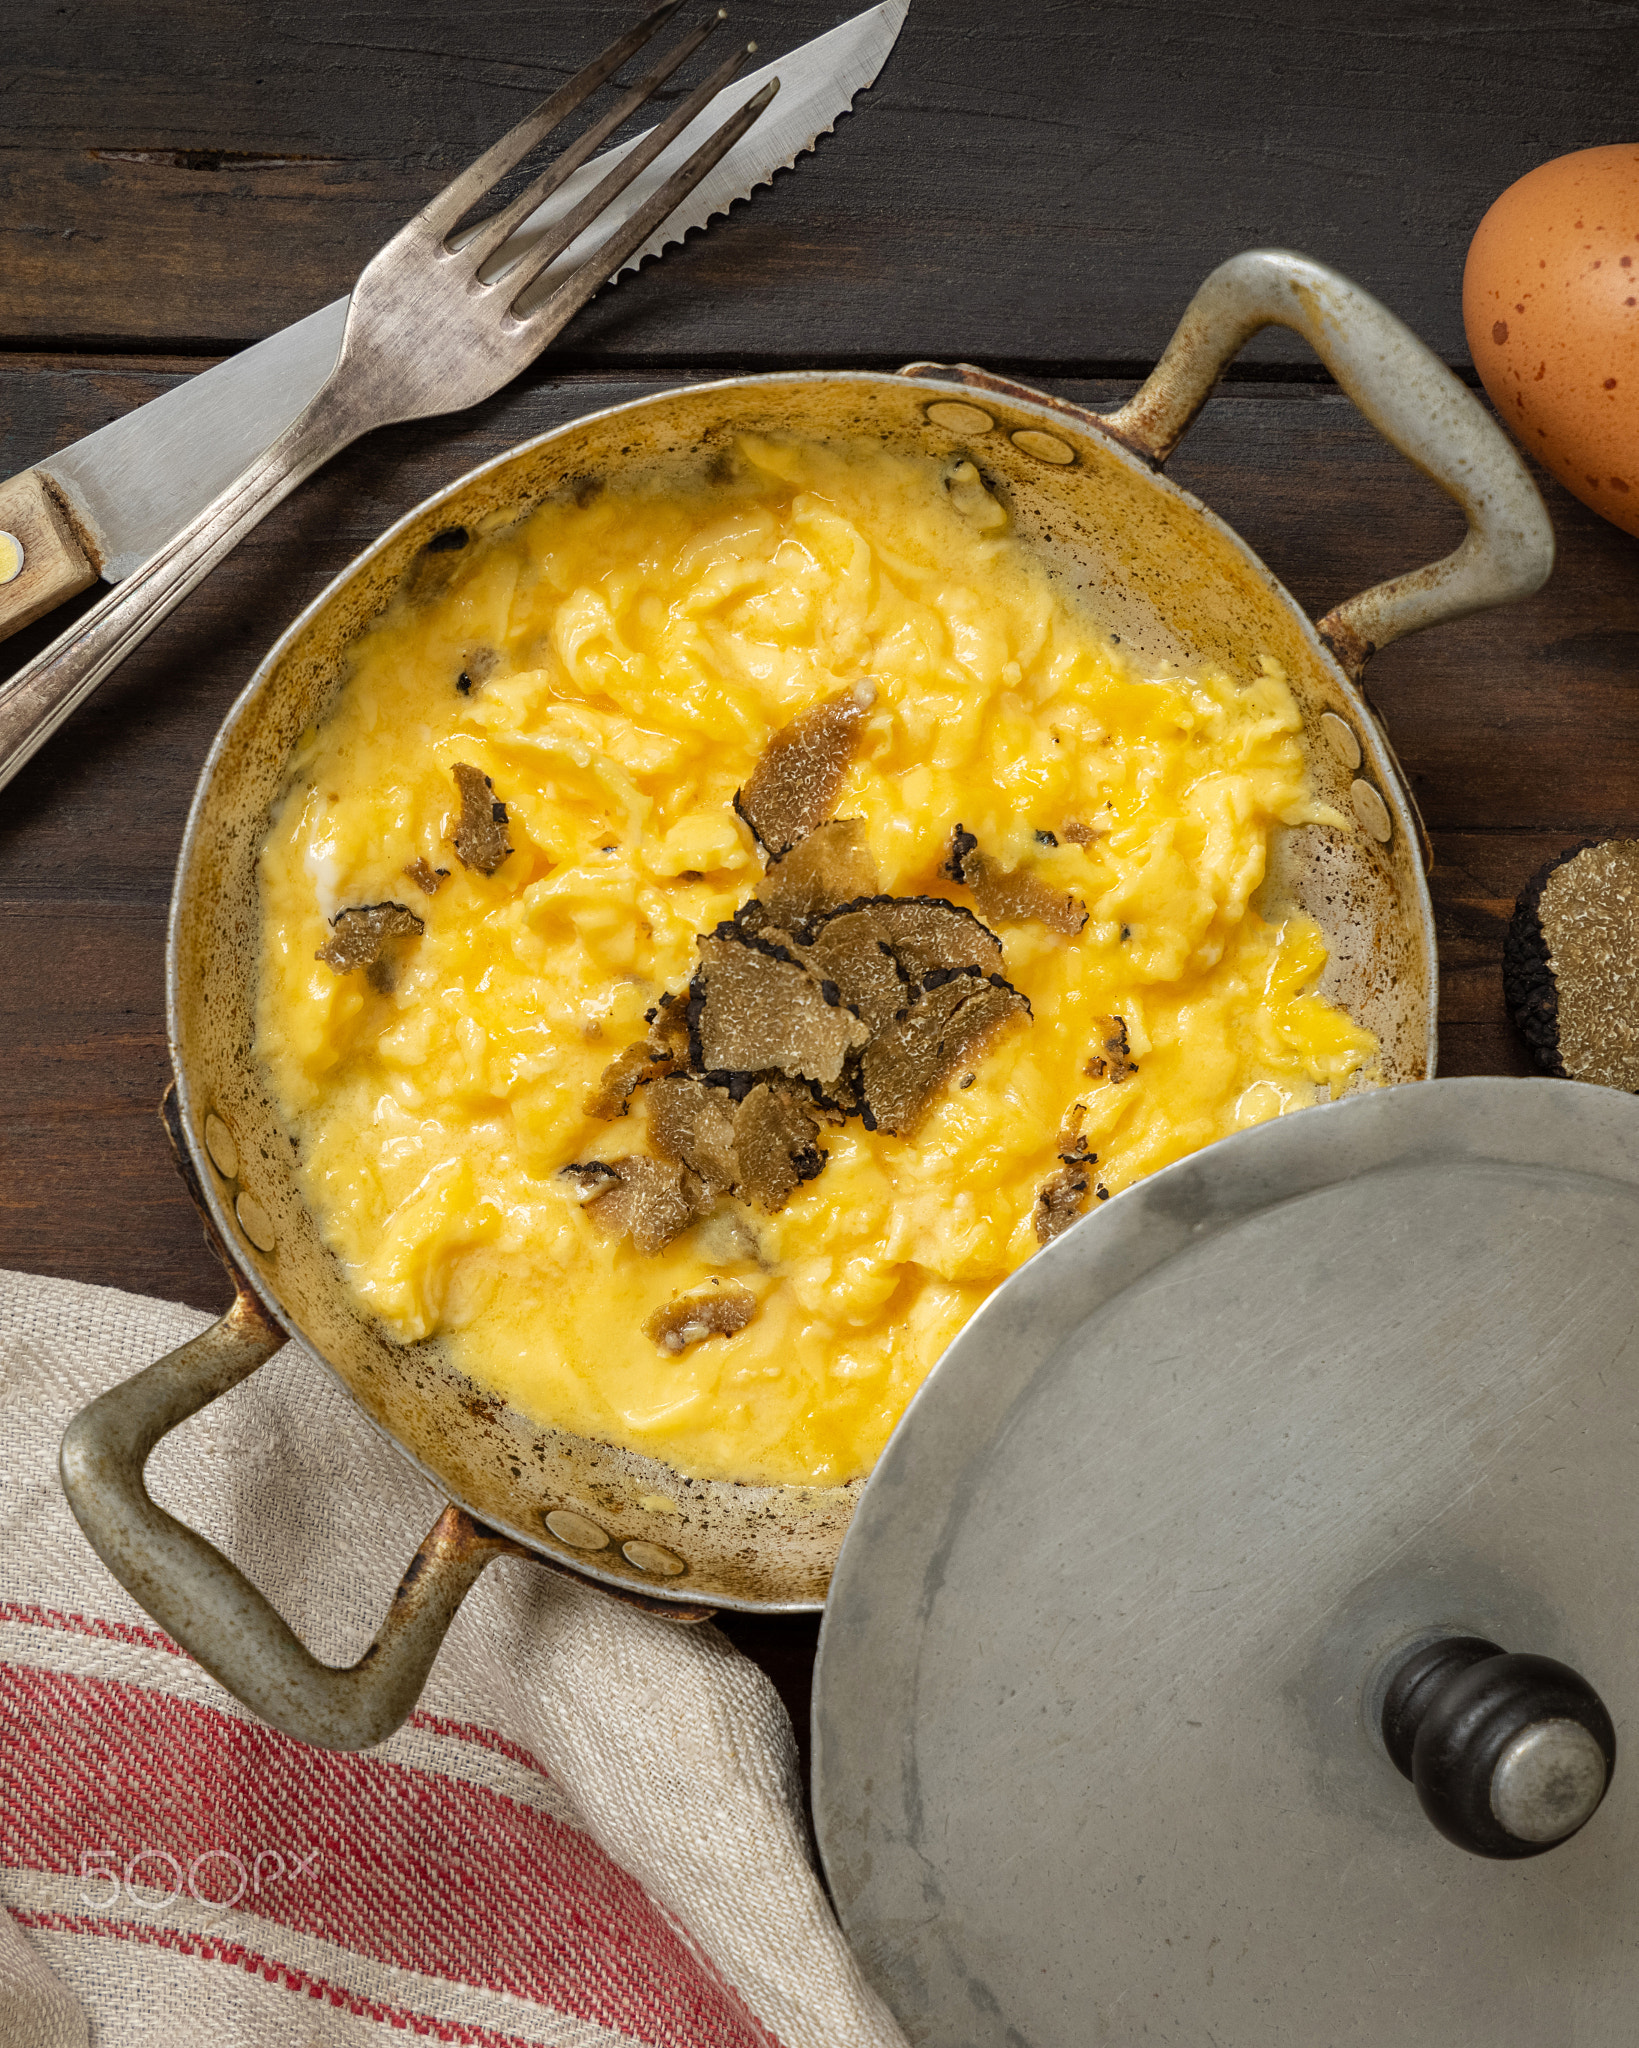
{"points": [[616, 668]]}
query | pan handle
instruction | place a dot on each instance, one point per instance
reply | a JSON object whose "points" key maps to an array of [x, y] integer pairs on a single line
{"points": [[205, 1602], [1406, 392]]}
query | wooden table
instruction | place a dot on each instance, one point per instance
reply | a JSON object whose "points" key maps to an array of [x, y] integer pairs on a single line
{"points": [[1037, 189]]}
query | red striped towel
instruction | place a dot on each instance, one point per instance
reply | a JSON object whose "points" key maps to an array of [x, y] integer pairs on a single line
{"points": [[588, 1836]]}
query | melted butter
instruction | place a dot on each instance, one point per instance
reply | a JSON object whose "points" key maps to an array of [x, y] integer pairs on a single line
{"points": [[650, 643]]}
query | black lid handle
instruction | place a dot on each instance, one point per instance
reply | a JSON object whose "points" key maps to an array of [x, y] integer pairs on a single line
{"points": [[1509, 1754]]}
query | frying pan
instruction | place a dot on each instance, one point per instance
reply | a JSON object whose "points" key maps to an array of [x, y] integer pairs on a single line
{"points": [[1087, 493]]}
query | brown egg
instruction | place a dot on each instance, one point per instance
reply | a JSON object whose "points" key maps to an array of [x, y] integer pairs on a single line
{"points": [[1551, 305]]}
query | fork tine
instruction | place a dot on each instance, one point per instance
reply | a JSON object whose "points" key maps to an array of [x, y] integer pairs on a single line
{"points": [[561, 306], [488, 235], [562, 233], [445, 208]]}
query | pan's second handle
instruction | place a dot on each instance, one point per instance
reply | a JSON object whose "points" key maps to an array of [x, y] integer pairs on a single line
{"points": [[205, 1602], [1401, 386], [1409, 396]]}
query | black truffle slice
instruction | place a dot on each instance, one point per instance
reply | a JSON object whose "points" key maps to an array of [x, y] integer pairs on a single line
{"points": [[1571, 964], [362, 937], [698, 1316], [755, 1007], [774, 1132], [926, 935], [1061, 1198], [426, 877], [851, 954], [695, 1125], [1072, 1145], [761, 1148], [1011, 895], [1111, 1058], [647, 1200], [669, 1027], [625, 1073], [480, 837], [794, 785], [943, 1030], [831, 866]]}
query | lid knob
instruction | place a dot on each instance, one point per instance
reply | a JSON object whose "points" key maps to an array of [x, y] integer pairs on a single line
{"points": [[1509, 1754]]}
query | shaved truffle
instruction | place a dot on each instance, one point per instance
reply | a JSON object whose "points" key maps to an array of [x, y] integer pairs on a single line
{"points": [[685, 1322], [755, 1007], [1571, 964], [962, 843], [426, 877], [1072, 1146], [1011, 895], [644, 1199], [664, 1050], [851, 954], [830, 867], [626, 1072], [927, 934], [881, 952], [1111, 1058], [774, 1133], [480, 838], [362, 937], [590, 1179], [669, 1026], [760, 1148], [1079, 834], [1061, 1198], [695, 1125], [794, 785], [910, 1058]]}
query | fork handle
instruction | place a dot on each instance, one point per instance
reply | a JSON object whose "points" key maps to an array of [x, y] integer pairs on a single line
{"points": [[36, 700]]}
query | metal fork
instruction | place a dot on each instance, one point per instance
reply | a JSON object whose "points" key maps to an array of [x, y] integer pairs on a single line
{"points": [[435, 323]]}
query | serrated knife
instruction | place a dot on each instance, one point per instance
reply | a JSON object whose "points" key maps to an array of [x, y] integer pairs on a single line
{"points": [[105, 504]]}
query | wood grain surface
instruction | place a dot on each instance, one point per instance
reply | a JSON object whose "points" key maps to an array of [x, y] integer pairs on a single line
{"points": [[1036, 188], [1038, 183]]}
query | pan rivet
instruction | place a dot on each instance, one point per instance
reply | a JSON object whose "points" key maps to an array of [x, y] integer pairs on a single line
{"points": [[1340, 736], [1371, 810], [653, 1557], [576, 1530], [255, 1222], [219, 1144], [1045, 447], [960, 419], [12, 557]]}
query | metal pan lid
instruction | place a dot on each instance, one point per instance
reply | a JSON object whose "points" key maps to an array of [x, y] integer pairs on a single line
{"points": [[1276, 1464]]}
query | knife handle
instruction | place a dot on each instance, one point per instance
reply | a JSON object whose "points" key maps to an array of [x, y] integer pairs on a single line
{"points": [[42, 559], [36, 698]]}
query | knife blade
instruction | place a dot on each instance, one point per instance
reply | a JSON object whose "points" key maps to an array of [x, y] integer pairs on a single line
{"points": [[132, 485]]}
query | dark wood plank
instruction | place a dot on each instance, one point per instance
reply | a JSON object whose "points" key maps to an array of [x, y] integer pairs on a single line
{"points": [[1037, 185]]}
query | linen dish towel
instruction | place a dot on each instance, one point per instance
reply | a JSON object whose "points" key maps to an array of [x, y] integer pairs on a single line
{"points": [[588, 1835]]}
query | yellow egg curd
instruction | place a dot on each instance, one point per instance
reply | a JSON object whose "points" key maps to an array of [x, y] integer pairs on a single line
{"points": [[616, 667]]}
